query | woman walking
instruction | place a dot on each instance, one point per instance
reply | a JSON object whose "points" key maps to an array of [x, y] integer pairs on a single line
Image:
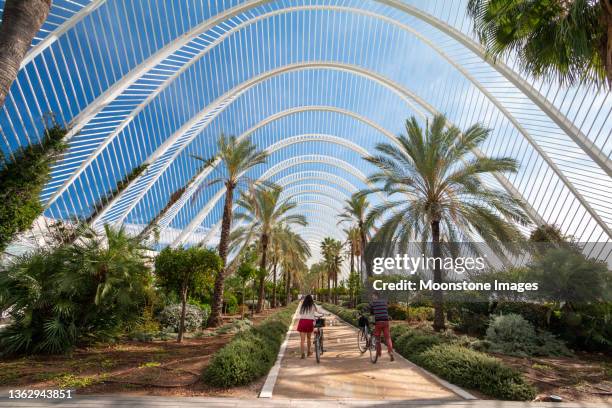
{"points": [[306, 322]]}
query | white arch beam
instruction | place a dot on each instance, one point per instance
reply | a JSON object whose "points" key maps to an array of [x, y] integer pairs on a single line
{"points": [[195, 125], [203, 213], [540, 101], [59, 31], [579, 138]]}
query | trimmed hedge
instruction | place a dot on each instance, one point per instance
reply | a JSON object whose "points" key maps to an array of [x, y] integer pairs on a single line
{"points": [[251, 353], [476, 370], [445, 356]]}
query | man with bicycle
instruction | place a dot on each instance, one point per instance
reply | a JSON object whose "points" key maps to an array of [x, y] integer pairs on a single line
{"points": [[378, 308]]}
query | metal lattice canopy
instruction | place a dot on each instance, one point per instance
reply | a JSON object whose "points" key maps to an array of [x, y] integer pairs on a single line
{"points": [[315, 82]]}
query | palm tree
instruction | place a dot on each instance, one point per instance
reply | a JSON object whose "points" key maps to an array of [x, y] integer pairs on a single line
{"points": [[567, 39], [440, 192], [262, 210], [291, 250], [355, 211], [353, 240], [21, 21], [295, 251], [237, 157], [331, 250]]}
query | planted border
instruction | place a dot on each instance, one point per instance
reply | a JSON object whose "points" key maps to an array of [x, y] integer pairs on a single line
{"points": [[251, 353], [453, 362]]}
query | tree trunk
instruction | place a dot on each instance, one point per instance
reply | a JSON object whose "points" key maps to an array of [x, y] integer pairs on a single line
{"points": [[226, 224], [335, 286], [364, 259], [287, 287], [329, 290], [262, 266], [274, 281], [183, 310], [351, 277], [438, 323], [21, 21]]}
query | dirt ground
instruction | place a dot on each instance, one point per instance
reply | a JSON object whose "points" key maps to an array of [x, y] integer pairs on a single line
{"points": [[136, 368], [584, 377]]}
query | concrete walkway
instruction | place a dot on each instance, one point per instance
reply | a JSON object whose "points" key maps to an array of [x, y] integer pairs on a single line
{"points": [[108, 401], [345, 373]]}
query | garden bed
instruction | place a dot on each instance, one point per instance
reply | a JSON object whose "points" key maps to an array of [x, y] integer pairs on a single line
{"points": [[130, 367]]}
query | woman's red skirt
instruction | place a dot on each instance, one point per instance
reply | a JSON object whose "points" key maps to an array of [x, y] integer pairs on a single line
{"points": [[305, 325]]}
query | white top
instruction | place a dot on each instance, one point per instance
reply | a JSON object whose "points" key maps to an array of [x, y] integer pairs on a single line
{"points": [[310, 315]]}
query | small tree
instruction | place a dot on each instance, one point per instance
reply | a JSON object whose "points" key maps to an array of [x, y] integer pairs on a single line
{"points": [[185, 271], [246, 272]]}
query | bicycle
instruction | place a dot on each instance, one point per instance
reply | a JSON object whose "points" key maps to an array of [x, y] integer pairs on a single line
{"points": [[364, 334], [366, 340], [318, 339]]}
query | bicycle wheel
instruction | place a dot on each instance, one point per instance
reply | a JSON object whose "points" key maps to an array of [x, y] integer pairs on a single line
{"points": [[317, 347], [362, 340], [373, 352]]}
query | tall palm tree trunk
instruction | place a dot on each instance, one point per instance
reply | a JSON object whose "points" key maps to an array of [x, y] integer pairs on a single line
{"points": [[351, 297], [226, 224], [363, 246], [262, 266], [288, 287], [274, 281], [438, 323], [21, 21]]}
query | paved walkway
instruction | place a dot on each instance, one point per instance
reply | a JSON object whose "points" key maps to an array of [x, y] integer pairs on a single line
{"points": [[345, 373], [111, 401]]}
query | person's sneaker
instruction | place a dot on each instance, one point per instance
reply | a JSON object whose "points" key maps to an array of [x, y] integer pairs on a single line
{"points": [[309, 354], [391, 356], [303, 356]]}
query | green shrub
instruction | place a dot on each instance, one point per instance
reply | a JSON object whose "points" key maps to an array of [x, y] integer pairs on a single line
{"points": [[476, 370], [22, 180], [397, 311], [412, 343], [55, 303], [362, 307], [419, 313], [250, 354], [398, 330], [513, 335], [170, 317], [537, 314]]}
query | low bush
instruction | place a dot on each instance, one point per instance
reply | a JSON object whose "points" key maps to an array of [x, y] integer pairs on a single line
{"points": [[476, 370], [170, 317], [251, 353], [362, 307], [419, 313], [397, 311], [513, 335], [412, 343]]}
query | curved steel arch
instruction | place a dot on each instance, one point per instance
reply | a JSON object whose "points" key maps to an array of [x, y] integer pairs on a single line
{"points": [[540, 101], [215, 108], [295, 161], [550, 110], [59, 31], [299, 177], [515, 123], [191, 188], [203, 213], [281, 183]]}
